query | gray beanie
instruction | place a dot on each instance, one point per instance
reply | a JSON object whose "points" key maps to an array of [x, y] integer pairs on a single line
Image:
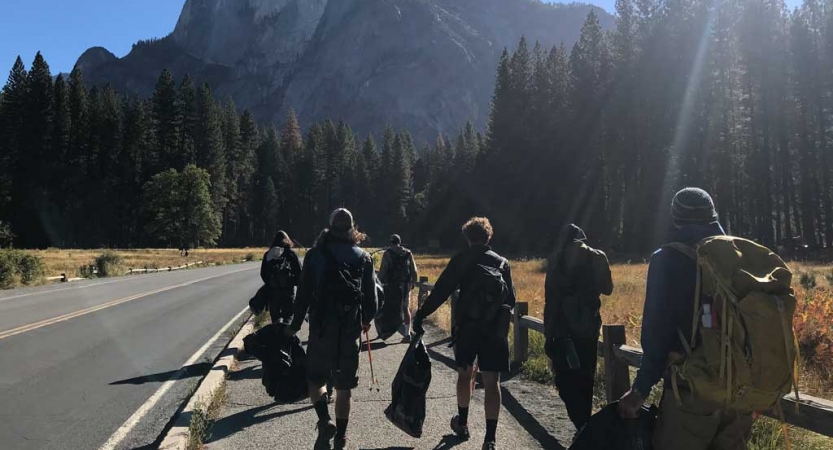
{"points": [[693, 206]]}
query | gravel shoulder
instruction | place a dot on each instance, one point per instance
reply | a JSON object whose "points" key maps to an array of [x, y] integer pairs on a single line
{"points": [[532, 418]]}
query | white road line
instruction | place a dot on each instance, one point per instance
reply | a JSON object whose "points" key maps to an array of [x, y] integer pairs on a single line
{"points": [[131, 423], [74, 288], [116, 302]]}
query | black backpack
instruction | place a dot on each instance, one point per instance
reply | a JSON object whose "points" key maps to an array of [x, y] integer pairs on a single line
{"points": [[280, 272], [486, 293], [401, 268], [341, 293]]}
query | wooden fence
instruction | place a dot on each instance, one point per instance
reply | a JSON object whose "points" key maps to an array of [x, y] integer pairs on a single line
{"points": [[163, 269], [808, 412]]}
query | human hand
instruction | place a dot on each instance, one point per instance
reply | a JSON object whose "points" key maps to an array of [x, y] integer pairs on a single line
{"points": [[416, 324], [289, 332], [365, 327], [630, 404]]}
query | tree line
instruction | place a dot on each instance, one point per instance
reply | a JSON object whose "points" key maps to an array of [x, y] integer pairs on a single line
{"points": [[733, 96]]}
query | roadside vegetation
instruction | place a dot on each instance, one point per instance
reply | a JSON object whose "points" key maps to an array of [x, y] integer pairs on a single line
{"points": [[203, 418], [29, 267], [813, 324]]}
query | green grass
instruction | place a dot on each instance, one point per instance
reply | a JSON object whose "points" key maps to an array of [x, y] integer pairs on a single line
{"points": [[203, 418]]}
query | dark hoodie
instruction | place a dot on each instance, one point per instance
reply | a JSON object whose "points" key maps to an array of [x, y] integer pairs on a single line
{"points": [[668, 304]]}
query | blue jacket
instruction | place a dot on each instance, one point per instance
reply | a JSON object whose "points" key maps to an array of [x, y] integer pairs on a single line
{"points": [[312, 278], [668, 304]]}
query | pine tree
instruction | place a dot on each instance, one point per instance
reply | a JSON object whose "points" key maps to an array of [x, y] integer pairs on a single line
{"points": [[12, 103], [187, 103], [209, 146], [167, 117]]}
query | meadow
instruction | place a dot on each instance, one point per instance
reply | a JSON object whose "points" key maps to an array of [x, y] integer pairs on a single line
{"points": [[813, 325]]}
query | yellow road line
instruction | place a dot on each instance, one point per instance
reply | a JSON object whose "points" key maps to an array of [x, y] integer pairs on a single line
{"points": [[110, 304]]}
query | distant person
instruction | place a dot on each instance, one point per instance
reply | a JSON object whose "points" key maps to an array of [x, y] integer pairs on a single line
{"points": [[691, 424], [280, 272], [481, 324], [576, 276], [338, 289], [398, 273]]}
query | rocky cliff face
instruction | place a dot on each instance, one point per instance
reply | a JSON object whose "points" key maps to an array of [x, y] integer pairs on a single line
{"points": [[425, 65]]}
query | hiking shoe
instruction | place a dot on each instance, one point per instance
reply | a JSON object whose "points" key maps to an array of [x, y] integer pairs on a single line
{"points": [[326, 431], [462, 431], [340, 443], [490, 445]]}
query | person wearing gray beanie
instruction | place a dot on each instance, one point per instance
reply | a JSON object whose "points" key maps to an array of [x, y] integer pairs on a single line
{"points": [[692, 206], [672, 282]]}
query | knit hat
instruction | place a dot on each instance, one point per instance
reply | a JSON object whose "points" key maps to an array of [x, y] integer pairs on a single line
{"points": [[395, 239], [341, 222], [693, 206]]}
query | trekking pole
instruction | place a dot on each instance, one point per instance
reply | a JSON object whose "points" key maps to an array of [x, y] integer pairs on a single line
{"points": [[373, 381]]}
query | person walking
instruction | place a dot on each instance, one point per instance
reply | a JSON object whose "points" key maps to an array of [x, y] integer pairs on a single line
{"points": [[576, 276], [280, 272], [693, 423], [398, 273], [481, 323], [338, 289]]}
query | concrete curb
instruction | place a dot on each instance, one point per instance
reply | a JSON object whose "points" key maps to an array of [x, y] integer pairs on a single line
{"points": [[177, 437]]}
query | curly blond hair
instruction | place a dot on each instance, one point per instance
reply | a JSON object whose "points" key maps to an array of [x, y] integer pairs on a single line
{"points": [[478, 230]]}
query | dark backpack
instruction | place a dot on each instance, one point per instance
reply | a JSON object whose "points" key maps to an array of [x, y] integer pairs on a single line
{"points": [[341, 293], [579, 308], [280, 272], [400, 271], [486, 293]]}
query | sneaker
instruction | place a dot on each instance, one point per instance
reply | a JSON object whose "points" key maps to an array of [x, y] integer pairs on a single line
{"points": [[340, 443], [326, 431], [462, 431], [490, 445]]}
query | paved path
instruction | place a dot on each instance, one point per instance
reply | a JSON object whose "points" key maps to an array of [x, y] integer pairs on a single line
{"points": [[78, 360], [251, 420]]}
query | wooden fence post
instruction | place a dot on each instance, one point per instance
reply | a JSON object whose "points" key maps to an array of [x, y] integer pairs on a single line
{"points": [[422, 294], [521, 334], [617, 372]]}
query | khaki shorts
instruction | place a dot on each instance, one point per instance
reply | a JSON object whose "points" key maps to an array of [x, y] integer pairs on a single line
{"points": [[698, 425]]}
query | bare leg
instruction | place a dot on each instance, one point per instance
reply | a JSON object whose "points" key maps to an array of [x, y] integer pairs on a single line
{"points": [[406, 308], [464, 386], [343, 399], [316, 391], [491, 382]]}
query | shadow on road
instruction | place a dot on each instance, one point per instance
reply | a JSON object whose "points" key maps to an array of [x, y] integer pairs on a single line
{"points": [[194, 370], [249, 373], [448, 441], [238, 422]]}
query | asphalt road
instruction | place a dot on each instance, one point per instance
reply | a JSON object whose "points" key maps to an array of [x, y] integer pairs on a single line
{"points": [[99, 364]]}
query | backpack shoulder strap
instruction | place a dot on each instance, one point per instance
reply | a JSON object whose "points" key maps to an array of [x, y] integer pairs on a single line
{"points": [[686, 250]]}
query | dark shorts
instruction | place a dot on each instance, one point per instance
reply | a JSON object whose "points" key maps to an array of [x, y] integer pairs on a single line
{"points": [[489, 345], [333, 353]]}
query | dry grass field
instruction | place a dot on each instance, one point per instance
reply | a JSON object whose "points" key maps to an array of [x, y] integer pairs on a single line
{"points": [[71, 261], [813, 324]]}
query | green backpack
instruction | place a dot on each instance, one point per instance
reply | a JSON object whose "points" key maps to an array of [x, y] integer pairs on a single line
{"points": [[745, 359]]}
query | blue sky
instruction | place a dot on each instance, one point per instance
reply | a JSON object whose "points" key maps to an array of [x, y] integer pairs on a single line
{"points": [[63, 29]]}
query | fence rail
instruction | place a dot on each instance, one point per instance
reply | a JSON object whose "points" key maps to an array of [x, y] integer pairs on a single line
{"points": [[808, 412], [163, 269]]}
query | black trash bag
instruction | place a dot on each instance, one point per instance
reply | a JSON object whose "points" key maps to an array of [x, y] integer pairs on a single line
{"points": [[606, 430], [260, 301], [409, 388], [389, 316], [284, 363]]}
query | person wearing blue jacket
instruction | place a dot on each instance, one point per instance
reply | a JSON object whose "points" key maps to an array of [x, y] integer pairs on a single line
{"points": [[338, 314], [672, 278]]}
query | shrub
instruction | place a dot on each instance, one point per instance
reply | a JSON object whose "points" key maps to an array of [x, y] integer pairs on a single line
{"points": [[808, 280], [8, 270], [108, 264], [19, 267], [31, 268], [250, 257]]}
